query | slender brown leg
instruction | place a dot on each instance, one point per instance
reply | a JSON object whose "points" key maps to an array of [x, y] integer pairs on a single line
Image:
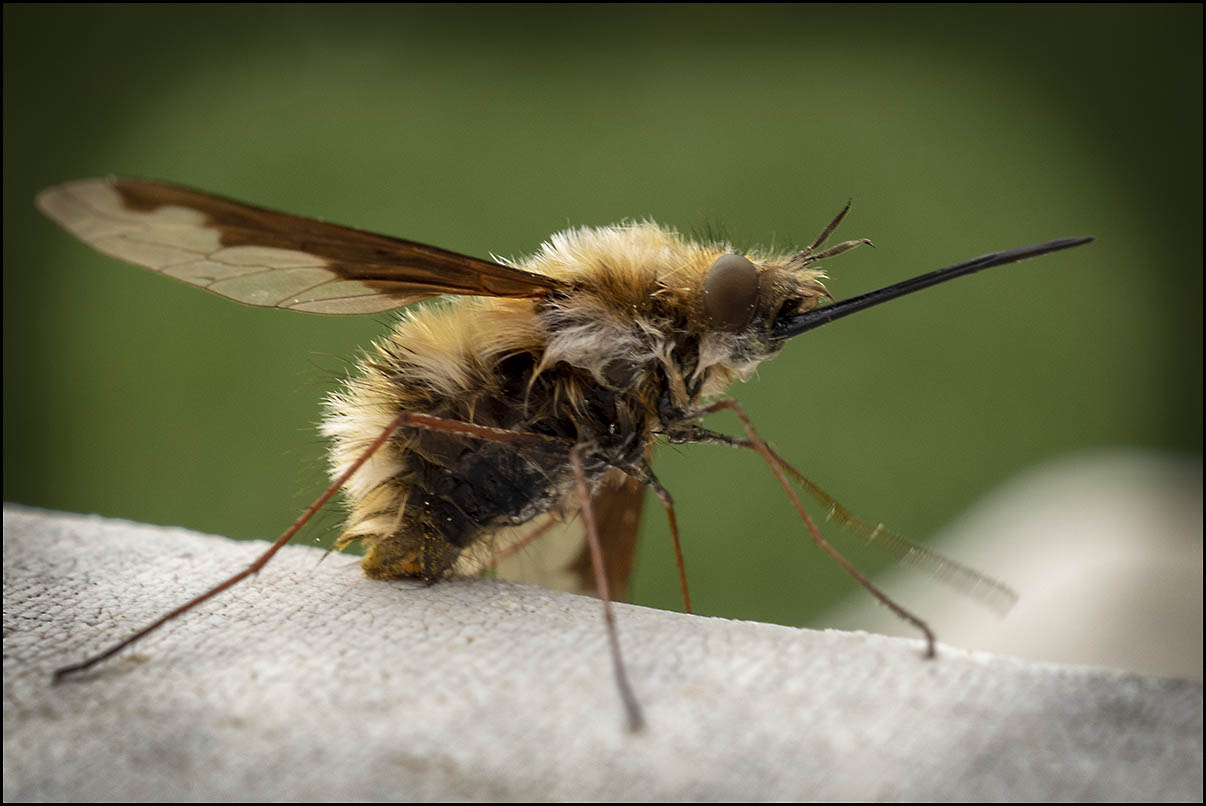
{"points": [[405, 419], [771, 459], [644, 474], [988, 591], [636, 721], [667, 502], [663, 495]]}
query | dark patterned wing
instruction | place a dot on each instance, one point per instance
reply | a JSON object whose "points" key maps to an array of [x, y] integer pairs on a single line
{"points": [[266, 258]]}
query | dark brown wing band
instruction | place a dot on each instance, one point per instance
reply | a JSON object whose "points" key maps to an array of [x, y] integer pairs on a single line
{"points": [[267, 258]]}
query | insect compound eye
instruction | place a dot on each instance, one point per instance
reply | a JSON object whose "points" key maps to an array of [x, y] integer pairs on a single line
{"points": [[730, 292]]}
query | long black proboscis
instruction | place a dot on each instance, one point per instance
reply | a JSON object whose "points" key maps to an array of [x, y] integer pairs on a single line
{"points": [[829, 313]]}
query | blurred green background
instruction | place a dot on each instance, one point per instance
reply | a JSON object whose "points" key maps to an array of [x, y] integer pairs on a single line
{"points": [[956, 130]]}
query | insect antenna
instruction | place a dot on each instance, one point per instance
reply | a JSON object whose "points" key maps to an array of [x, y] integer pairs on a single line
{"points": [[809, 254]]}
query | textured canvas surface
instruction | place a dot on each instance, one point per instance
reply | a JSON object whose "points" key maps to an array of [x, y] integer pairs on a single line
{"points": [[313, 683]]}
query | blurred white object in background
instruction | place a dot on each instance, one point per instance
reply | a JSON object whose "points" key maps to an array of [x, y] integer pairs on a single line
{"points": [[1105, 552]]}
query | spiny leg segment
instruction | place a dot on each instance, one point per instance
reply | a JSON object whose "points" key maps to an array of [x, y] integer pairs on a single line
{"points": [[776, 464], [404, 419], [644, 474], [988, 591]]}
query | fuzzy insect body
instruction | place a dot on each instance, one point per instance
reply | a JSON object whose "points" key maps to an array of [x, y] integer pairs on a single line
{"points": [[626, 354]]}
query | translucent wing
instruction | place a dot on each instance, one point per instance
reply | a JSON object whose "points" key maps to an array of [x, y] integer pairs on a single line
{"points": [[262, 257]]}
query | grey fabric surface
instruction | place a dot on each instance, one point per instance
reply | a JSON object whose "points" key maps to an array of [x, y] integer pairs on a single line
{"points": [[1105, 552], [313, 683]]}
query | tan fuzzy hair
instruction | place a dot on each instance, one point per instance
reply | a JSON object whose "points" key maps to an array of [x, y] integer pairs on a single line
{"points": [[635, 294]]}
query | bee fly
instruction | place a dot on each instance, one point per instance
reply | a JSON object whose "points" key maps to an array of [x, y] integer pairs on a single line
{"points": [[540, 390]]}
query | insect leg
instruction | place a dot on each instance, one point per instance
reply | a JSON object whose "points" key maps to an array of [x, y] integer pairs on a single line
{"points": [[635, 720], [404, 419], [757, 444], [988, 591], [644, 474]]}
